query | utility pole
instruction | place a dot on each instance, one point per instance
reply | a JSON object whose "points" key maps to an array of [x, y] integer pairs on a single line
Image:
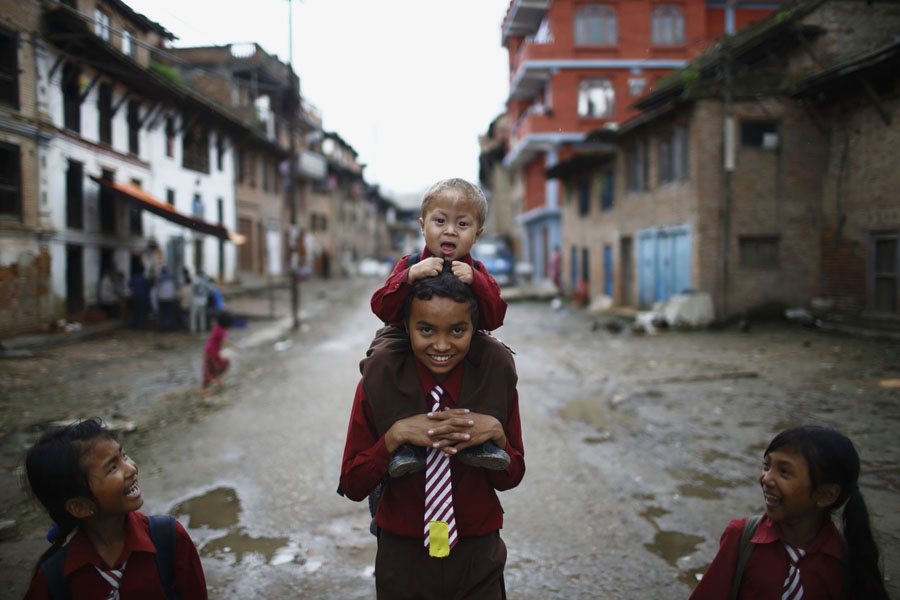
{"points": [[294, 104]]}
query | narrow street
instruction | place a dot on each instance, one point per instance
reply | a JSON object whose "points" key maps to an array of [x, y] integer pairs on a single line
{"points": [[639, 448]]}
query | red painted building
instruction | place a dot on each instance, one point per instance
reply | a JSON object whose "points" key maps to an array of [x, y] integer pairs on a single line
{"points": [[577, 66]]}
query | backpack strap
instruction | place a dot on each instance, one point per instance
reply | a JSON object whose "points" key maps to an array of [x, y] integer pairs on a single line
{"points": [[52, 567], [745, 549], [162, 534]]}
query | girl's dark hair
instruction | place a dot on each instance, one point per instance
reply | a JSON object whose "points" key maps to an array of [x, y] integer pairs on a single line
{"points": [[446, 285], [832, 459], [55, 474]]}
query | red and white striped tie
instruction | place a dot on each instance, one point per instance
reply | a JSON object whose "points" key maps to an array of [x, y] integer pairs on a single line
{"points": [[793, 590], [438, 491], [113, 577]]}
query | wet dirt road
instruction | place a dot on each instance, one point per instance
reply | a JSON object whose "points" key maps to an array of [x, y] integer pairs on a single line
{"points": [[639, 448]]}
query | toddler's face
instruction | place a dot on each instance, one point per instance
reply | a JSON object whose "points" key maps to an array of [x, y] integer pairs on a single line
{"points": [[450, 226]]}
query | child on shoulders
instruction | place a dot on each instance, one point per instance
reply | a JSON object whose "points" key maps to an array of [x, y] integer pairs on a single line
{"points": [[794, 549], [452, 218], [438, 530], [102, 547]]}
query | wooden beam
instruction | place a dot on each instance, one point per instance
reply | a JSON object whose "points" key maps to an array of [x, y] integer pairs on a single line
{"points": [[59, 60], [88, 89], [121, 101], [150, 112]]}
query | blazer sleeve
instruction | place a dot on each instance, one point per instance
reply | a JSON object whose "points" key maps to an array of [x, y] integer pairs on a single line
{"points": [[491, 307], [387, 301]]}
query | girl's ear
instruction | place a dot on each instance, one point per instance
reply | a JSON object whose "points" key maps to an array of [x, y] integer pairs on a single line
{"points": [[827, 494], [80, 507]]}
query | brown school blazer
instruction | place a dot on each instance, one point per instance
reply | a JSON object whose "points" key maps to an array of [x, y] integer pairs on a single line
{"points": [[393, 390]]}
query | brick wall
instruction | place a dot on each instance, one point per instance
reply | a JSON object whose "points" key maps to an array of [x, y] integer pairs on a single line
{"points": [[26, 300]]}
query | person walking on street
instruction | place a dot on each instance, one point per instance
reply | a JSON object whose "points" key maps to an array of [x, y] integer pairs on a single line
{"points": [[140, 297], [199, 303], [166, 299]]}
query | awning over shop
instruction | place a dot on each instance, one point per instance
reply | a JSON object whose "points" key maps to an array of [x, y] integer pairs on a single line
{"points": [[137, 196]]}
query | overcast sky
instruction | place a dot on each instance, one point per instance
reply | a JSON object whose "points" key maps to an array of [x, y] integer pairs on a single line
{"points": [[410, 84]]}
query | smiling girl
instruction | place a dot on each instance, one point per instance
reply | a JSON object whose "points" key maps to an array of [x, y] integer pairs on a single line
{"points": [[102, 547], [794, 550]]}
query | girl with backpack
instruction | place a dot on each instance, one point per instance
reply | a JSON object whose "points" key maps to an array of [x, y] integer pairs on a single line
{"points": [[794, 550], [102, 547]]}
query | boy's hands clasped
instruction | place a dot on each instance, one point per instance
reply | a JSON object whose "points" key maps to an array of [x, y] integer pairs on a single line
{"points": [[450, 430], [432, 266]]}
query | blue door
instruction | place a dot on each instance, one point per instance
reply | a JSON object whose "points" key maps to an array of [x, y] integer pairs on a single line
{"points": [[607, 271], [664, 263]]}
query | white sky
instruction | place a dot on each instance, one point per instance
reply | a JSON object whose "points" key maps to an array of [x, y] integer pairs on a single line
{"points": [[410, 84]]}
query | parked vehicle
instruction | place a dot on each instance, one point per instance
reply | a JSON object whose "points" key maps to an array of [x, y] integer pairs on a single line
{"points": [[497, 258]]}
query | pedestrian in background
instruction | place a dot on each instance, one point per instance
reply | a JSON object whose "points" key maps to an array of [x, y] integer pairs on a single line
{"points": [[794, 549], [214, 364], [102, 546], [140, 296], [199, 302], [108, 295], [185, 296], [167, 299]]}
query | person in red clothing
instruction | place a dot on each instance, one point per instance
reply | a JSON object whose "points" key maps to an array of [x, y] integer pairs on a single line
{"points": [[214, 364], [89, 487], [441, 315], [796, 550], [452, 219]]}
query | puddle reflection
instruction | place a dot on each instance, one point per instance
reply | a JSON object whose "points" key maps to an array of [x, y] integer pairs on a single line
{"points": [[673, 545], [220, 508], [702, 485]]}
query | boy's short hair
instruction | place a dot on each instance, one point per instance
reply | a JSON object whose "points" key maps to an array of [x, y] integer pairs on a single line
{"points": [[445, 285], [471, 192]]}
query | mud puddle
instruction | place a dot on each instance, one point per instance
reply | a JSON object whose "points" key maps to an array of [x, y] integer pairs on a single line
{"points": [[219, 509]]}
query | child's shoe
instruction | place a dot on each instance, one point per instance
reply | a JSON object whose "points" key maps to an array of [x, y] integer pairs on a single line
{"points": [[407, 459], [486, 456]]}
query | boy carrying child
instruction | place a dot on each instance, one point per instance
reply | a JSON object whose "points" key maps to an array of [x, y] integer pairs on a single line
{"points": [[450, 510], [453, 216]]}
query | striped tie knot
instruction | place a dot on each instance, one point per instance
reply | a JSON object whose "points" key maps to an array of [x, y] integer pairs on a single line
{"points": [[114, 578], [793, 590], [440, 522]]}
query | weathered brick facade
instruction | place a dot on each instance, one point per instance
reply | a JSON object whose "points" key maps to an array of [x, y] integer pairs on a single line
{"points": [[814, 179]]}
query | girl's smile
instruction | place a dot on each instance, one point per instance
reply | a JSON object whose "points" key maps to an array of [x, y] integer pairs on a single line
{"points": [[112, 477]]}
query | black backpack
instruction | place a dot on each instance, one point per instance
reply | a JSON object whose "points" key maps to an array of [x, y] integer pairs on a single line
{"points": [[162, 534]]}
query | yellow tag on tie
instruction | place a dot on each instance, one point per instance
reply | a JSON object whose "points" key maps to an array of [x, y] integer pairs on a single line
{"points": [[438, 539]]}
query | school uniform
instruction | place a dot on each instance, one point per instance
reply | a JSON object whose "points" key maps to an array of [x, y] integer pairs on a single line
{"points": [[140, 580], [768, 565], [387, 301], [473, 568], [214, 364]]}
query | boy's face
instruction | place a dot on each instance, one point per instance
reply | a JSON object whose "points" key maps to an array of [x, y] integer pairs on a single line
{"points": [[112, 477], [440, 331], [450, 226]]}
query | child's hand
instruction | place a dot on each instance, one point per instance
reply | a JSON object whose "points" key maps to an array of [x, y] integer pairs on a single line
{"points": [[457, 433], [425, 268], [463, 272]]}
